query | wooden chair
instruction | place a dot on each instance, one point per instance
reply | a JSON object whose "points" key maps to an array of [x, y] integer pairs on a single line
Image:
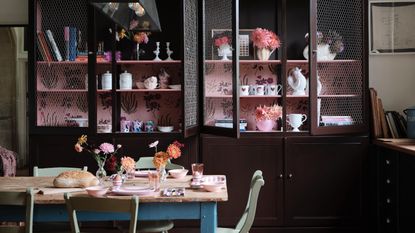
{"points": [[19, 199], [147, 163], [54, 171], [95, 204], [245, 222]]}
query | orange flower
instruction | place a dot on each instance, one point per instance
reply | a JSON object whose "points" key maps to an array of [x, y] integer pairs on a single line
{"points": [[160, 159], [128, 163], [174, 151]]}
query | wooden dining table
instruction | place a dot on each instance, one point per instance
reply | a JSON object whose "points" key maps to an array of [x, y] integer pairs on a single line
{"points": [[196, 204]]}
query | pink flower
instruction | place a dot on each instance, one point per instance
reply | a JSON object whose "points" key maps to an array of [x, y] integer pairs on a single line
{"points": [[78, 147], [263, 38], [221, 41], [107, 148]]}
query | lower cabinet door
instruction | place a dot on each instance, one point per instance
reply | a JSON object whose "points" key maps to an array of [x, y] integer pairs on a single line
{"points": [[324, 183], [238, 159]]}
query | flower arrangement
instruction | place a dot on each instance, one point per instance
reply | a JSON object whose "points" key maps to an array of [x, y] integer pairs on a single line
{"points": [[221, 41], [161, 157], [265, 39], [126, 163], [100, 153], [138, 37], [268, 112], [331, 38]]}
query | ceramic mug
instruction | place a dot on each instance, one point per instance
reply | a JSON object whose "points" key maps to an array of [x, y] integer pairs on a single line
{"points": [[252, 89], [244, 90], [260, 89], [273, 89], [137, 126], [125, 126], [296, 120], [151, 83]]}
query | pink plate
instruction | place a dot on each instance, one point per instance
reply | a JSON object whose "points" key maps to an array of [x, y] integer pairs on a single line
{"points": [[133, 190], [141, 173]]}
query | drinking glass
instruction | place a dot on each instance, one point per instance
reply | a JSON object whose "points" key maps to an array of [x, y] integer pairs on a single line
{"points": [[197, 170], [154, 180]]}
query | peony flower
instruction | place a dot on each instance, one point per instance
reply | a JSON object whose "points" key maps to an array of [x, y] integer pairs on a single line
{"points": [[141, 37], [107, 148], [174, 151], [263, 38], [221, 41], [78, 148], [160, 159], [128, 163], [268, 113]]}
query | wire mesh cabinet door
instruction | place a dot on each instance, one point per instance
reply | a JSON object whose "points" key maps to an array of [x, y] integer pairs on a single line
{"points": [[338, 67], [220, 66]]}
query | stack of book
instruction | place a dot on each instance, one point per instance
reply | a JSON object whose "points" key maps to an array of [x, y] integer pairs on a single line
{"points": [[48, 49], [336, 120], [228, 123], [386, 124]]}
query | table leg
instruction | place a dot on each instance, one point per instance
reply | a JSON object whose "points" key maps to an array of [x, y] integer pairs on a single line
{"points": [[208, 217]]}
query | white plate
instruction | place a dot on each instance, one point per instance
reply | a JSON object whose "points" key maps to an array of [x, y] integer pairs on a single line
{"points": [[141, 173], [133, 190]]}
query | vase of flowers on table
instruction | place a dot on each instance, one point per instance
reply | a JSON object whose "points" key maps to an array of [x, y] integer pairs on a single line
{"points": [[265, 42], [266, 117], [100, 154], [161, 158], [224, 47], [328, 45]]}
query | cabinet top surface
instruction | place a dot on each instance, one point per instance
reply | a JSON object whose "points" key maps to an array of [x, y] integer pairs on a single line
{"points": [[404, 145]]}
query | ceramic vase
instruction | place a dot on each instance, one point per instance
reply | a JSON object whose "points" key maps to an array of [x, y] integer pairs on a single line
{"points": [[162, 173], [264, 54], [265, 125], [101, 173], [323, 53], [224, 51]]}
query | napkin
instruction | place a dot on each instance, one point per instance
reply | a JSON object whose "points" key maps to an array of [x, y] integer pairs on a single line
{"points": [[47, 191]]}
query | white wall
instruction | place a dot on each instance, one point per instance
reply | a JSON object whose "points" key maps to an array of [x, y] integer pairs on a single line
{"points": [[14, 12]]}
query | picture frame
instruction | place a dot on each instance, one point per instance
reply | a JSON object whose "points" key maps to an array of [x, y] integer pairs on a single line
{"points": [[246, 48], [392, 27]]}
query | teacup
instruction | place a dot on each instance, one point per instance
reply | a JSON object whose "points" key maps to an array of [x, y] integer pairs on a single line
{"points": [[252, 89], [260, 89], [244, 90], [151, 83], [296, 120]]}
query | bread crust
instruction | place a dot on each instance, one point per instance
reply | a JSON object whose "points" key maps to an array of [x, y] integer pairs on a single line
{"points": [[75, 179]]}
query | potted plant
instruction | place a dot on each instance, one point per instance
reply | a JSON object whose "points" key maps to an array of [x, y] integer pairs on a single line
{"points": [[164, 123], [266, 117], [265, 42]]}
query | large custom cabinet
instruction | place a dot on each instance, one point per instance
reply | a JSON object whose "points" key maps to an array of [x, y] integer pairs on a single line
{"points": [[78, 57]]}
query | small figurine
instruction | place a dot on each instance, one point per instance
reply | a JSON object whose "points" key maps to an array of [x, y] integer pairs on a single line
{"points": [[298, 83], [168, 51], [164, 78], [157, 52]]}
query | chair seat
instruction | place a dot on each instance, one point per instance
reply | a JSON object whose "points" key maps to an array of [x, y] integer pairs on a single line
{"points": [[226, 230], [154, 226]]}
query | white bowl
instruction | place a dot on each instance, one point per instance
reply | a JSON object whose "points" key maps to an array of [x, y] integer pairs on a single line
{"points": [[175, 87], [165, 129], [103, 128], [178, 173], [212, 187], [96, 191]]}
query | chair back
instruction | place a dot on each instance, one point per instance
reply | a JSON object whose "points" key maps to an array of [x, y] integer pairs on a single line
{"points": [[54, 171], [96, 204], [247, 219], [19, 199], [147, 163]]}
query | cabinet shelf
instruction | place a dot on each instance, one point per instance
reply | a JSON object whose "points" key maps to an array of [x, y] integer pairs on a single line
{"points": [[64, 90], [69, 63], [279, 96], [321, 62], [243, 62], [139, 62], [147, 90]]}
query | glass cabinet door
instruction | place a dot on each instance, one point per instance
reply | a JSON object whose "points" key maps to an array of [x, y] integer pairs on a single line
{"points": [[338, 95], [61, 64], [220, 90]]}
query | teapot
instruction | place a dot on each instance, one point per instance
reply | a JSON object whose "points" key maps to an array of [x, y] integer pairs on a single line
{"points": [[151, 83]]}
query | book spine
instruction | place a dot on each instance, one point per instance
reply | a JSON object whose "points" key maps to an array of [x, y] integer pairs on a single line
{"points": [[394, 130], [41, 49], [72, 44], [49, 49], [54, 46], [66, 37], [45, 47]]}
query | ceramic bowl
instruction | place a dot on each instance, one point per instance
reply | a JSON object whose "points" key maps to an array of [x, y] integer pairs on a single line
{"points": [[212, 187], [96, 191], [165, 129], [175, 87], [103, 128], [178, 173]]}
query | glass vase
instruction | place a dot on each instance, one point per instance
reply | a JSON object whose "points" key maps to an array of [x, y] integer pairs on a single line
{"points": [[101, 173], [162, 173]]}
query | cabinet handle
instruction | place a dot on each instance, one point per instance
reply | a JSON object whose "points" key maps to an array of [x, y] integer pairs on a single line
{"points": [[281, 176], [388, 181], [290, 176], [388, 162], [90, 53], [388, 200], [388, 220]]}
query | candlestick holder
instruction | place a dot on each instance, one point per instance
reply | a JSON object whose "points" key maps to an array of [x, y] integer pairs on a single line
{"points": [[157, 52], [168, 51]]}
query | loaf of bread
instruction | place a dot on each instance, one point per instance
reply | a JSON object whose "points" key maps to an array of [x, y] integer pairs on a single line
{"points": [[75, 179]]}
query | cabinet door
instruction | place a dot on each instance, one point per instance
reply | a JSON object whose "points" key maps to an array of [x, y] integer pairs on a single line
{"points": [[338, 81], [220, 79], [238, 159], [324, 184], [58, 82]]}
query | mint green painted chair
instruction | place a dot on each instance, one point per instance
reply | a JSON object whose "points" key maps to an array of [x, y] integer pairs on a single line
{"points": [[147, 163], [54, 171], [19, 199], [96, 204], [247, 219]]}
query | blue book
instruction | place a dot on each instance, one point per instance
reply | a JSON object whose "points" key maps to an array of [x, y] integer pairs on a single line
{"points": [[72, 44]]}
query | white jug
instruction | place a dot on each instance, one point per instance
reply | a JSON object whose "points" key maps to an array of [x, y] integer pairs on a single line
{"points": [[126, 81]]}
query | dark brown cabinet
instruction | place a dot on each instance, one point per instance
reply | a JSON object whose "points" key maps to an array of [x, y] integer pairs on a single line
{"points": [[309, 181]]}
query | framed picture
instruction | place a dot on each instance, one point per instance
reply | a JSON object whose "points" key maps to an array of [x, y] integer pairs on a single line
{"points": [[392, 27], [246, 48]]}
